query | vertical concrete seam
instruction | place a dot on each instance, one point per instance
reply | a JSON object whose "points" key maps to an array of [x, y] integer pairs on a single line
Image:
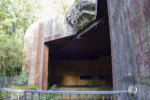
{"points": [[112, 44], [42, 57]]}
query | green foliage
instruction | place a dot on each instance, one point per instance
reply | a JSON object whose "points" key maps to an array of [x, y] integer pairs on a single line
{"points": [[15, 17], [10, 55], [64, 5], [49, 97], [92, 82], [24, 87], [21, 79]]}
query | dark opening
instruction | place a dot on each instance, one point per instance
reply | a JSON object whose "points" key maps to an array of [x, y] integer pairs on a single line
{"points": [[86, 77], [84, 61], [105, 77]]}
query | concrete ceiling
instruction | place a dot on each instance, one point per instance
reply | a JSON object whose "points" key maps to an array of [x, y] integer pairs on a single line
{"points": [[91, 45]]}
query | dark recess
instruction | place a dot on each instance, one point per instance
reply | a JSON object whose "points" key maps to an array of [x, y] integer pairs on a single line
{"points": [[86, 77]]}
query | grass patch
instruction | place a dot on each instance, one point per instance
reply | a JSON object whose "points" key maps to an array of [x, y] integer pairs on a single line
{"points": [[24, 87]]}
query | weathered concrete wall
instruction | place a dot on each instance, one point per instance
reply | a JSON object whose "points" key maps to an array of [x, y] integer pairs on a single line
{"points": [[33, 46], [67, 72], [130, 39], [56, 26], [45, 30], [30, 47]]}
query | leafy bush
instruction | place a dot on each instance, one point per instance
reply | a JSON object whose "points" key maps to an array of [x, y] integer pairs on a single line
{"points": [[22, 79], [15, 18]]}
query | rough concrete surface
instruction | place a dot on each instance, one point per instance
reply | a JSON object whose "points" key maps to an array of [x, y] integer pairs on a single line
{"points": [[130, 39], [49, 29]]}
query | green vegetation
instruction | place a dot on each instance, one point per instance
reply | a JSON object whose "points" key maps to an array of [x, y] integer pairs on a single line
{"points": [[24, 87], [15, 17], [21, 79]]}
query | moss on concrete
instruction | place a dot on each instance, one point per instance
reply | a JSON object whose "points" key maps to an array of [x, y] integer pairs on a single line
{"points": [[81, 14]]}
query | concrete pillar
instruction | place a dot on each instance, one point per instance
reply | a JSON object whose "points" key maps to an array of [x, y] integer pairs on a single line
{"points": [[45, 68], [39, 57]]}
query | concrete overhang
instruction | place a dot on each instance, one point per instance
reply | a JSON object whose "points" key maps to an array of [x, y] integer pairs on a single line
{"points": [[88, 43], [99, 16]]}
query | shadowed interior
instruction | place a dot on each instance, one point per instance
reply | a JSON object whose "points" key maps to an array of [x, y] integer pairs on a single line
{"points": [[83, 60]]}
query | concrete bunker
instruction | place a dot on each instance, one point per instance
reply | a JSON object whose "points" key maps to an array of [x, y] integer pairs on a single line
{"points": [[83, 59], [72, 49], [81, 62], [129, 28]]}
